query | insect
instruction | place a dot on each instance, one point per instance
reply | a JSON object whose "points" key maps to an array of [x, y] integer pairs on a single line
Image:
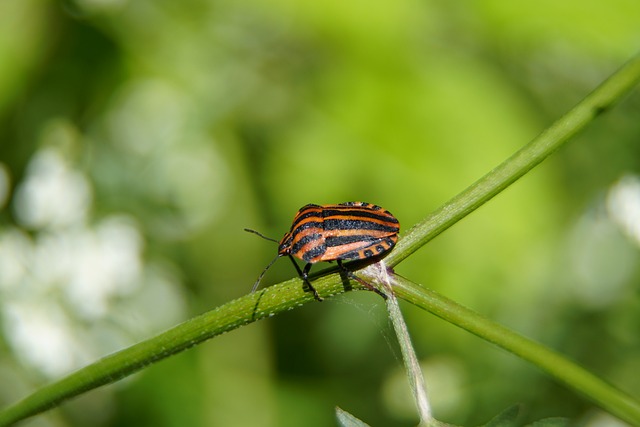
{"points": [[343, 232]]}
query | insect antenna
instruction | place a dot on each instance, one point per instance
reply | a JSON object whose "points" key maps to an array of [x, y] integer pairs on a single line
{"points": [[255, 285], [261, 235]]}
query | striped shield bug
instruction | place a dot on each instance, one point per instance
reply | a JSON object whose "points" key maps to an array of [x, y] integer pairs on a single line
{"points": [[344, 232]]}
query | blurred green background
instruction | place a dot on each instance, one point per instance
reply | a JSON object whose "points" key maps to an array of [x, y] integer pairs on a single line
{"points": [[138, 139]]}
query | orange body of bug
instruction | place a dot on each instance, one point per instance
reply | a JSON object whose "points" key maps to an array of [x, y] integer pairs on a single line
{"points": [[342, 232], [348, 231]]}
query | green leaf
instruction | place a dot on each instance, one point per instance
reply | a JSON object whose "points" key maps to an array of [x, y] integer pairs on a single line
{"points": [[345, 419], [507, 418], [551, 422]]}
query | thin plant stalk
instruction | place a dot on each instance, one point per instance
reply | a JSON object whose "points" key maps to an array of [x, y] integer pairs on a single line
{"points": [[410, 359]]}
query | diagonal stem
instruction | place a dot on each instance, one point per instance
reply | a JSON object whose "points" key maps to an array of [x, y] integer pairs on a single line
{"points": [[574, 376], [603, 98]]}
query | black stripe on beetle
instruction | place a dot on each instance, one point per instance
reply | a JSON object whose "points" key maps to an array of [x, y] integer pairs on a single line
{"points": [[357, 224], [343, 240], [346, 231]]}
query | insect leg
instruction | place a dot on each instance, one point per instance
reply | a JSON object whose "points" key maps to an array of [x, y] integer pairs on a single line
{"points": [[304, 275], [359, 280]]}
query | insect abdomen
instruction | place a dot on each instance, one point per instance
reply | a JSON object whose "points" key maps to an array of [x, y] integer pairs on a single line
{"points": [[347, 231]]}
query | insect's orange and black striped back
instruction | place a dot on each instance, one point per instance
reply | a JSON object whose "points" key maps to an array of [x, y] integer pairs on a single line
{"points": [[347, 231]]}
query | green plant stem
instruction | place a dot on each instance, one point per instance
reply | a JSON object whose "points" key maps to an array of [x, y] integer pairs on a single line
{"points": [[412, 366], [601, 99], [109, 369], [288, 295], [574, 376]]}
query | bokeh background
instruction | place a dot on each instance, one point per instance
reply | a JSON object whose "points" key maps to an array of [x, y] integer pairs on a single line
{"points": [[138, 139]]}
